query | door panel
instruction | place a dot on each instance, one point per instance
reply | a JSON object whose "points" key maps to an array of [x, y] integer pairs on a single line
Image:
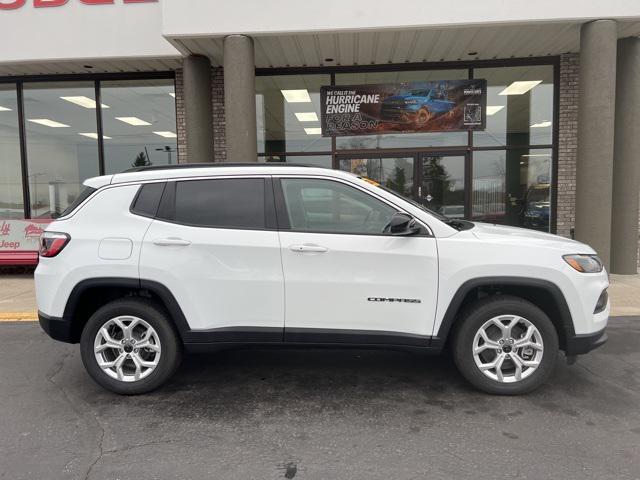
{"points": [[343, 287], [221, 278], [215, 247], [342, 274]]}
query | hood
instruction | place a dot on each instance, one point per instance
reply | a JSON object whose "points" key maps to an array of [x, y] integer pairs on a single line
{"points": [[523, 236]]}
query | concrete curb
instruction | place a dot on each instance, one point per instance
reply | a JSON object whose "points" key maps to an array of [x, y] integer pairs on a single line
{"points": [[18, 316]]}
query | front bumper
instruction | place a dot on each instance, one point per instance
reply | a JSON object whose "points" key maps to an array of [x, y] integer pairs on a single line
{"points": [[57, 328], [581, 344]]}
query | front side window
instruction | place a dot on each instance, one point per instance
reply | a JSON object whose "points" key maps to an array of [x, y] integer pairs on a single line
{"points": [[223, 203], [317, 205]]}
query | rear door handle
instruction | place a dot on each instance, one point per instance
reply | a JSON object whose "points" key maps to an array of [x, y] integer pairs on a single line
{"points": [[171, 241], [308, 248]]}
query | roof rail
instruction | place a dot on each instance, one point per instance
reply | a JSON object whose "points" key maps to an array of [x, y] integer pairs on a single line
{"points": [[213, 165]]}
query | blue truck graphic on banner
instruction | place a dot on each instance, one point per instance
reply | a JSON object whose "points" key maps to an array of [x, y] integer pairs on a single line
{"points": [[416, 106]]}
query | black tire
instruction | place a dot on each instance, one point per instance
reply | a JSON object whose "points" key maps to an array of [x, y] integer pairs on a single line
{"points": [[475, 316], [148, 311]]}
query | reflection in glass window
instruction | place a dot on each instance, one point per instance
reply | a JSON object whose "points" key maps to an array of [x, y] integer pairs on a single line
{"points": [[139, 124], [519, 106], [62, 143], [393, 173], [288, 113], [327, 206], [11, 199], [323, 161], [512, 187], [400, 140]]}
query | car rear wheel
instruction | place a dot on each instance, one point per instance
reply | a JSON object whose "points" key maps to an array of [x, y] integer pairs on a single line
{"points": [[129, 346], [505, 345]]}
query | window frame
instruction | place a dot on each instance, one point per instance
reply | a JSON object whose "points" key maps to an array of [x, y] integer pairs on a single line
{"points": [[166, 208], [282, 211], [20, 81]]}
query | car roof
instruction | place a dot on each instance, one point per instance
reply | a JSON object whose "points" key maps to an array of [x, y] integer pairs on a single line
{"points": [[186, 170]]}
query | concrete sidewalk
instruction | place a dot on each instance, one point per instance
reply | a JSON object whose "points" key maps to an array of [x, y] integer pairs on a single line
{"points": [[17, 297]]}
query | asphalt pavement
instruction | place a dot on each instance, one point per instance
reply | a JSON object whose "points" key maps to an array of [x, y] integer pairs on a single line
{"points": [[316, 414]]}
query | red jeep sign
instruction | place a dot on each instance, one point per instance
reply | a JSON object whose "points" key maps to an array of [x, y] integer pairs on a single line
{"points": [[14, 4]]}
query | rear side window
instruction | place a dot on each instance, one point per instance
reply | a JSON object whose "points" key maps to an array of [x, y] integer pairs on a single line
{"points": [[84, 194], [147, 200], [223, 203]]}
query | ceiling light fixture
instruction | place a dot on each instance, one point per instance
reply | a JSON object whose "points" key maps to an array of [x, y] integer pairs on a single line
{"points": [[537, 155], [135, 121], [83, 101], [307, 116], [47, 123], [313, 131], [520, 87], [94, 135], [493, 109], [542, 124], [166, 134], [4, 109], [172, 94], [296, 96]]}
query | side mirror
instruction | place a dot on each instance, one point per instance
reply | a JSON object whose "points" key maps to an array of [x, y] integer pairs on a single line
{"points": [[402, 225]]}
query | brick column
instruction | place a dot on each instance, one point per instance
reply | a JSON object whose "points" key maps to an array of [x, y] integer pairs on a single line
{"points": [[567, 143]]}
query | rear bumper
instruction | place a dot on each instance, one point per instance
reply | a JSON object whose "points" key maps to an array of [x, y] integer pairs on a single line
{"points": [[581, 344], [57, 328]]}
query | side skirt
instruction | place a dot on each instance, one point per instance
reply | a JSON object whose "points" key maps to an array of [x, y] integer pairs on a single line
{"points": [[223, 338]]}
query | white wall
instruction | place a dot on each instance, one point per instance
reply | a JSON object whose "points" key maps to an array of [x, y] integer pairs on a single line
{"points": [[220, 17], [77, 31]]}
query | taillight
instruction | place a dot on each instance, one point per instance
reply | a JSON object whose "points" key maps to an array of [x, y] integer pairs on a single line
{"points": [[52, 243]]}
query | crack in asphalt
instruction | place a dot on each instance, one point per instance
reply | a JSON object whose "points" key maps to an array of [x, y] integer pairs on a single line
{"points": [[79, 412]]}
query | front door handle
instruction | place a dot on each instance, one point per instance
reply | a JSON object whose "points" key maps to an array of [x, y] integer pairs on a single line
{"points": [[308, 248], [171, 241]]}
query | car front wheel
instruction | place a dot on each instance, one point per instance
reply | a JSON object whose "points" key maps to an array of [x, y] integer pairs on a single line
{"points": [[129, 346], [505, 345]]}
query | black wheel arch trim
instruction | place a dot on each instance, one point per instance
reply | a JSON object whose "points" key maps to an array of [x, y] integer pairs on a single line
{"points": [[450, 316]]}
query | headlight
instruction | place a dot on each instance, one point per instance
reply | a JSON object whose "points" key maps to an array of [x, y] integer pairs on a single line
{"points": [[584, 263]]}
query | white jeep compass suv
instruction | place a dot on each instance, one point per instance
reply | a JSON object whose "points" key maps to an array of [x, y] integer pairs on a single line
{"points": [[157, 260]]}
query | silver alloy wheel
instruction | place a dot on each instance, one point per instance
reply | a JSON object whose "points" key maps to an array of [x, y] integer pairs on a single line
{"points": [[127, 348], [508, 348]]}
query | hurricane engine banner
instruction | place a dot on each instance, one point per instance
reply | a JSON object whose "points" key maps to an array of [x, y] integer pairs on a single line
{"points": [[436, 106]]}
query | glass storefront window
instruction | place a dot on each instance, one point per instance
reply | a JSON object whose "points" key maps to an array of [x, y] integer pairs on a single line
{"points": [[323, 161], [11, 199], [139, 123], [288, 113], [512, 187], [407, 140], [62, 145], [519, 106], [395, 173]]}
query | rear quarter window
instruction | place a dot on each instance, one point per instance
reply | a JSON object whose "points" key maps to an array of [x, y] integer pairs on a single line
{"points": [[84, 194], [147, 200]]}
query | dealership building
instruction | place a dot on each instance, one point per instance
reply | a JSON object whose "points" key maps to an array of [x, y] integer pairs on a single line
{"points": [[91, 87]]}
